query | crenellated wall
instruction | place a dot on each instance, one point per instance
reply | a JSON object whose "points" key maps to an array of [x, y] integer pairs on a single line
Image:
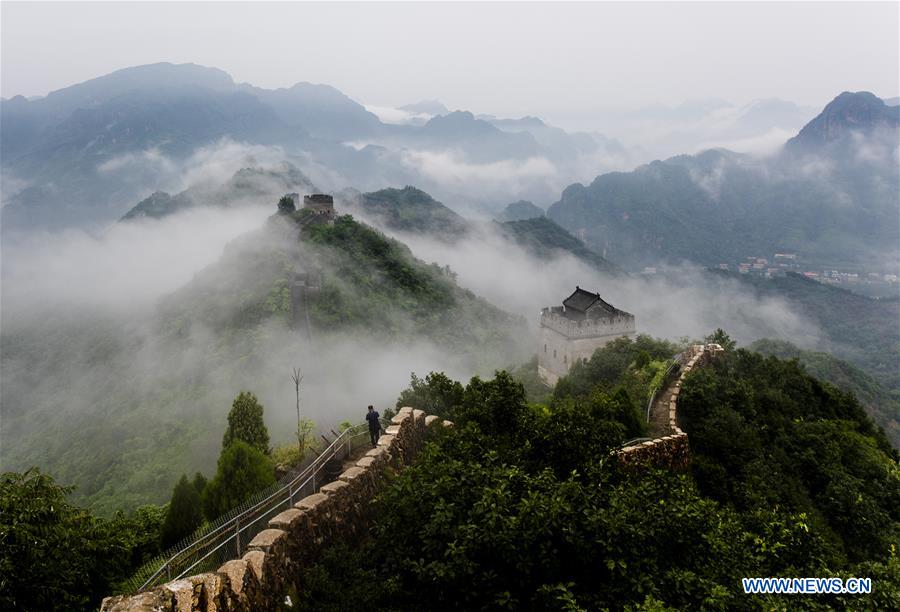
{"points": [[296, 538], [671, 450], [341, 512]]}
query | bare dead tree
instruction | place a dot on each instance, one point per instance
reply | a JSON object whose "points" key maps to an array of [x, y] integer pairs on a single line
{"points": [[298, 378]]}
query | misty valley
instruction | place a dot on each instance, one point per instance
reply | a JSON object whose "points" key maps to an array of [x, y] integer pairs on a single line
{"points": [[206, 283]]}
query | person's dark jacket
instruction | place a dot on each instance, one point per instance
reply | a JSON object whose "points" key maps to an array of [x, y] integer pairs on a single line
{"points": [[372, 418]]}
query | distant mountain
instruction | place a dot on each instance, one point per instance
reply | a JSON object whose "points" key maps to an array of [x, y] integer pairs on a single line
{"points": [[248, 185], [545, 239], [321, 110], [860, 113], [892, 101], [427, 107], [83, 155], [519, 211], [718, 206], [83, 151], [408, 210], [481, 141]]}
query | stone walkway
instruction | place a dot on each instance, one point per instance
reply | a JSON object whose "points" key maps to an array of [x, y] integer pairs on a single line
{"points": [[659, 414], [356, 455]]}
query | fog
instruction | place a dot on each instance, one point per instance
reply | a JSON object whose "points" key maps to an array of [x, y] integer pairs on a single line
{"points": [[679, 302], [125, 267], [98, 390]]}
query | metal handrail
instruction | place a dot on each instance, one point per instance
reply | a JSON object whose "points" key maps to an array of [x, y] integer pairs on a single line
{"points": [[664, 385], [204, 545]]}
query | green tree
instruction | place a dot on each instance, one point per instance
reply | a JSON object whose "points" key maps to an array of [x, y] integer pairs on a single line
{"points": [[722, 339], [242, 471], [53, 555], [286, 205], [199, 482], [140, 534], [437, 394], [183, 515], [245, 423]]}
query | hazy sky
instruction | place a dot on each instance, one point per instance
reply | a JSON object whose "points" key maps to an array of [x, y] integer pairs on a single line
{"points": [[505, 58]]}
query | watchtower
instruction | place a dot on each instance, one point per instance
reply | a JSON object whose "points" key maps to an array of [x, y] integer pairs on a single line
{"points": [[573, 331], [321, 204]]}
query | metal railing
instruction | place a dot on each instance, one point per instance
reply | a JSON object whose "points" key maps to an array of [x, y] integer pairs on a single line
{"points": [[228, 536]]}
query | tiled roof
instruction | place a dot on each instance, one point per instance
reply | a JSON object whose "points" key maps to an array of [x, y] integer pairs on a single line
{"points": [[582, 301]]}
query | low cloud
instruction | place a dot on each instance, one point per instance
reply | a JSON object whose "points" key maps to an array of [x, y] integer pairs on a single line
{"points": [[127, 265], [451, 171], [398, 116], [683, 302], [759, 144]]}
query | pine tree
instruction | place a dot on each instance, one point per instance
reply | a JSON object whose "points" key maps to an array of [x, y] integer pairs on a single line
{"points": [[242, 471], [245, 423], [199, 482], [183, 515]]}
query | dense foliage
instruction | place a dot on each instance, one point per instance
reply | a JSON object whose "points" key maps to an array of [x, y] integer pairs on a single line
{"points": [[764, 433], [56, 556], [184, 513], [523, 507], [881, 403], [436, 394], [374, 283], [242, 471]]}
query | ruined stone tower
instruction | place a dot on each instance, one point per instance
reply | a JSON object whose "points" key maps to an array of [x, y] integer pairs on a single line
{"points": [[320, 204], [573, 331]]}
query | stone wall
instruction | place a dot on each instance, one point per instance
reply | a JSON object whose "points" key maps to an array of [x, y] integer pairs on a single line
{"points": [[672, 450], [296, 538], [564, 342]]}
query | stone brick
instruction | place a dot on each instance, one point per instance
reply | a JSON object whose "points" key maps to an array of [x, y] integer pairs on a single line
{"points": [[285, 519], [235, 571], [386, 440], [265, 539], [352, 473], [333, 487], [310, 501], [255, 560]]}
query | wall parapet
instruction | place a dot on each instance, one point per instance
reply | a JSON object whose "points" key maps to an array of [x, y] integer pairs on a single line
{"points": [[671, 450], [297, 537]]}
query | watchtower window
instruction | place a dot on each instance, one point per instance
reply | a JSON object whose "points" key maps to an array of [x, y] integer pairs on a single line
{"points": [[566, 359], [554, 353], [545, 349]]}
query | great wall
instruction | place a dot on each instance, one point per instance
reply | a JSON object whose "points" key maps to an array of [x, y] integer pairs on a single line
{"points": [[668, 446], [272, 567]]}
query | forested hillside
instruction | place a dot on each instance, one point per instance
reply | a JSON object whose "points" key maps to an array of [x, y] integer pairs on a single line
{"points": [[880, 402], [856, 328], [141, 391], [521, 506]]}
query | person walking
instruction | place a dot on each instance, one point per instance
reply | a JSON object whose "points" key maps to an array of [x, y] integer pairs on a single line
{"points": [[374, 425]]}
